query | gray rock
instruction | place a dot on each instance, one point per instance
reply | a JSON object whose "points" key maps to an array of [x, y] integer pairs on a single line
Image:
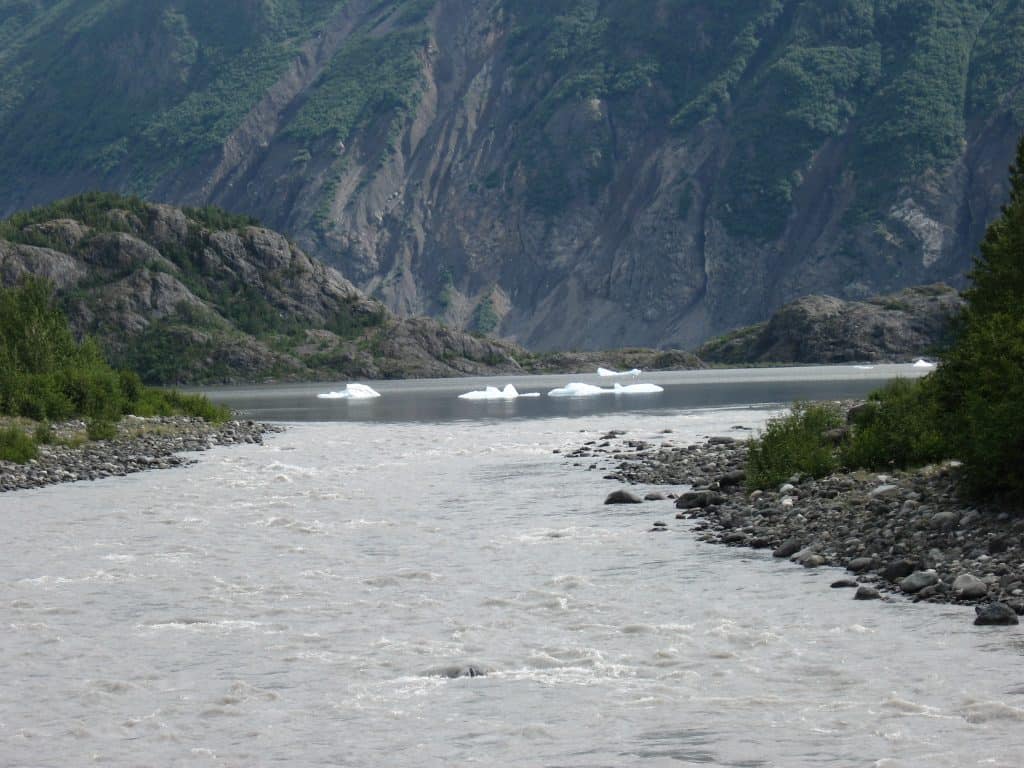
{"points": [[898, 569], [692, 499], [999, 614], [885, 491], [969, 587], [623, 497], [787, 548], [861, 564], [865, 592], [918, 580], [654, 496], [735, 477], [944, 520], [843, 584]]}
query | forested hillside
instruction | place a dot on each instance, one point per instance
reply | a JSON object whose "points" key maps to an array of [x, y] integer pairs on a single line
{"points": [[568, 173]]}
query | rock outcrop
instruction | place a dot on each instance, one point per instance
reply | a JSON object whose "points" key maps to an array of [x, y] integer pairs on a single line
{"points": [[824, 329], [182, 301]]}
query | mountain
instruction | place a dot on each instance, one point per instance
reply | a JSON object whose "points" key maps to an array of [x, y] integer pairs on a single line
{"points": [[564, 173], [193, 296], [823, 329]]}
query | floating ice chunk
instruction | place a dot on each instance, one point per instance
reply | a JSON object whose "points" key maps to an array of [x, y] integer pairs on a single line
{"points": [[922, 363], [634, 372], [493, 393], [637, 389], [351, 392], [576, 389], [864, 367]]}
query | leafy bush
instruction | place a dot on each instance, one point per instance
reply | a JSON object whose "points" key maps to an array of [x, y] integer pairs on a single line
{"points": [[43, 434], [101, 429], [16, 446], [46, 375], [794, 444], [902, 427]]}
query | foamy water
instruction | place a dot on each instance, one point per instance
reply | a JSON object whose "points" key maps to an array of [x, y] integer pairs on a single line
{"points": [[305, 603]]}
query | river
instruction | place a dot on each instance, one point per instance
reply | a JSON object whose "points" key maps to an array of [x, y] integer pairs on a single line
{"points": [[301, 603]]}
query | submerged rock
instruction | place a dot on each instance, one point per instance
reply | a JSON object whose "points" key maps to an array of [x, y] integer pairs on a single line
{"points": [[997, 614], [622, 497]]}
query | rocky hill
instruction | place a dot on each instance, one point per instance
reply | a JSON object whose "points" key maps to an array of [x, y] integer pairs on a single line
{"points": [[824, 329], [566, 173], [189, 296]]}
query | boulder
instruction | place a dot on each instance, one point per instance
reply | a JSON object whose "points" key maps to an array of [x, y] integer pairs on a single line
{"points": [[865, 592], [788, 548], [691, 499], [735, 477], [899, 569], [918, 580], [969, 587], [843, 584], [623, 497], [998, 614], [860, 564]]}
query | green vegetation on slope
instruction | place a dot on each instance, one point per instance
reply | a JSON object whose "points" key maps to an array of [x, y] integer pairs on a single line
{"points": [[46, 374], [968, 409]]}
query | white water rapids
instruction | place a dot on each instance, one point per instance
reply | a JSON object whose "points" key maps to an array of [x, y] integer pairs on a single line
{"points": [[299, 604]]}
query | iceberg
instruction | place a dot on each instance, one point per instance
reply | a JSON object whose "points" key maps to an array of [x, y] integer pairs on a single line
{"points": [[606, 372], [576, 389], [637, 389], [493, 393], [351, 392], [922, 363]]}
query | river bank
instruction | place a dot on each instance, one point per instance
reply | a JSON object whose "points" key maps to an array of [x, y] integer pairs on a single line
{"points": [[904, 532], [141, 444]]}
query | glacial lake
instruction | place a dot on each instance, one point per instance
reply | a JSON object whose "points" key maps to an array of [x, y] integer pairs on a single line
{"points": [[302, 603], [436, 400]]}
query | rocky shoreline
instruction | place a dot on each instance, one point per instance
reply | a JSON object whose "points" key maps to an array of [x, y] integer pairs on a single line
{"points": [[899, 533], [141, 444]]}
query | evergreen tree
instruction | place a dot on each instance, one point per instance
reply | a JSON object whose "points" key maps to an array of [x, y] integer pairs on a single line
{"points": [[981, 379]]}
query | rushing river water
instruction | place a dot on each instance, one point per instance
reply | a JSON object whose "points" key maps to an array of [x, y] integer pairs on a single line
{"points": [[301, 603]]}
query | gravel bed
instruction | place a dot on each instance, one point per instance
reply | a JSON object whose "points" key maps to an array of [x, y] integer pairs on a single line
{"points": [[142, 444], [899, 533]]}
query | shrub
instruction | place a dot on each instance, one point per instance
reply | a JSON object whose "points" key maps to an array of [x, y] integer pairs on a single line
{"points": [[982, 387], [101, 429], [903, 427], [43, 434], [16, 446], [794, 444]]}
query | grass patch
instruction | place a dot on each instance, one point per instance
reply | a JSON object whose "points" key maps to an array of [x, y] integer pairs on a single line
{"points": [[16, 446]]}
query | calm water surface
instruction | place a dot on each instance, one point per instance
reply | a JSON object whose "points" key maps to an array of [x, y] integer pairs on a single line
{"points": [[298, 603]]}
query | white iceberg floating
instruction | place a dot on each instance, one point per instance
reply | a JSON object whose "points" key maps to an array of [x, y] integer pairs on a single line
{"points": [[922, 363], [576, 389], [637, 389], [351, 392], [493, 393], [606, 372], [864, 367]]}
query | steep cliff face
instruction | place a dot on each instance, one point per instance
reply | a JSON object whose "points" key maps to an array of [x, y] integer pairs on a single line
{"points": [[566, 173]]}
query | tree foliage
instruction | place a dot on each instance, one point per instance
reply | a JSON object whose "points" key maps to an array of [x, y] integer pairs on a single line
{"points": [[46, 374], [981, 379]]}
